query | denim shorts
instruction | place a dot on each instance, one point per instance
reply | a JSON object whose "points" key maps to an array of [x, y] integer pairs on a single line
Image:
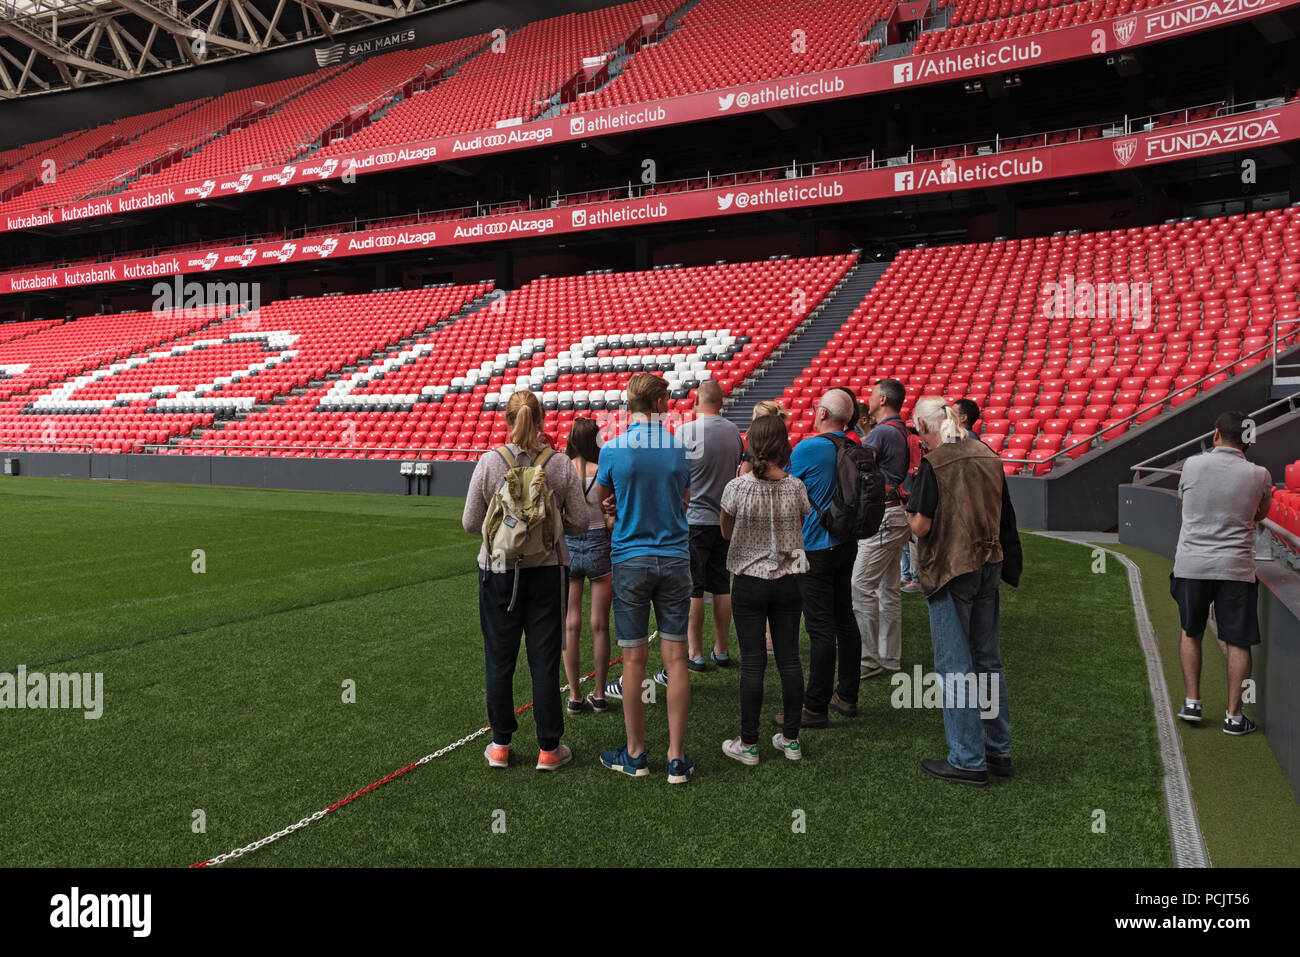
{"points": [[646, 580], [588, 554]]}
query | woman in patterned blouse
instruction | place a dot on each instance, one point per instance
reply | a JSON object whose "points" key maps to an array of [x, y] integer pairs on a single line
{"points": [[762, 517]]}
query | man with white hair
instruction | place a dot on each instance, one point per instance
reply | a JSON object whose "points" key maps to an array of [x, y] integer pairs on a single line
{"points": [[960, 510], [827, 586]]}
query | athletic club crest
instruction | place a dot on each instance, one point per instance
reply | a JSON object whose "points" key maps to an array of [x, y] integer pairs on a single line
{"points": [[1124, 30], [1125, 150]]}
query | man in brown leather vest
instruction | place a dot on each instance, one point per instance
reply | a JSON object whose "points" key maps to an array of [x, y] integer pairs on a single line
{"points": [[961, 513]]}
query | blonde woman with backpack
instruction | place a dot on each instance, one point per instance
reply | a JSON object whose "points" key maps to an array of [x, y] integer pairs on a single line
{"points": [[523, 499]]}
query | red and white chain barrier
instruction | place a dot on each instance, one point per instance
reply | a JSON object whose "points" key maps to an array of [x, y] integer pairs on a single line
{"points": [[344, 802]]}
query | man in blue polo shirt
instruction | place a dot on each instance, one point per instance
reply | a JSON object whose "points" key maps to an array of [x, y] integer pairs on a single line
{"points": [[649, 476], [827, 586]]}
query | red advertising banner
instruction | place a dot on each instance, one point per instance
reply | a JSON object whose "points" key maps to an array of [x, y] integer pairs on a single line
{"points": [[1083, 40], [1242, 131]]}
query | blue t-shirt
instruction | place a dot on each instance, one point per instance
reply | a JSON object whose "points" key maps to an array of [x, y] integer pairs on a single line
{"points": [[648, 470], [813, 463]]}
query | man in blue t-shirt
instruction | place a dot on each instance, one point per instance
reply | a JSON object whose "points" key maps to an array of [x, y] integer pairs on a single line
{"points": [[827, 586], [647, 474]]}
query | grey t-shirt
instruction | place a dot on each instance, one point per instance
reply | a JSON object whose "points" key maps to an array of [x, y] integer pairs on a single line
{"points": [[713, 447], [1221, 492]]}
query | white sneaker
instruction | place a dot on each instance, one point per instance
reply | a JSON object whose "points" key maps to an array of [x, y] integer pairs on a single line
{"points": [[790, 749], [735, 748]]}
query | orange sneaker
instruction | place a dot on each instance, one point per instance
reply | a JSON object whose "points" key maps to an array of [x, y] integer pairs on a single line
{"points": [[553, 760], [498, 755]]}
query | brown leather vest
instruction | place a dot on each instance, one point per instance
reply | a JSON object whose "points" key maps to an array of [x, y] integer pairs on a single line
{"points": [[964, 531]]}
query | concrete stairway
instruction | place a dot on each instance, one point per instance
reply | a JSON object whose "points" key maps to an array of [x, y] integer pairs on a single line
{"points": [[798, 352]]}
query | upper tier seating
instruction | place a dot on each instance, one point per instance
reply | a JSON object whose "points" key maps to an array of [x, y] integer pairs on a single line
{"points": [[989, 21], [722, 43], [515, 83], [575, 339], [189, 126], [970, 321], [298, 124], [63, 160]]}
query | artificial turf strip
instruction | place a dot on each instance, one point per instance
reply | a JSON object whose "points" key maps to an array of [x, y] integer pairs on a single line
{"points": [[1248, 813], [223, 693]]}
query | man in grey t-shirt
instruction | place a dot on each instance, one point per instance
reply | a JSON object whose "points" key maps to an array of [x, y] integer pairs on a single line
{"points": [[714, 448], [1222, 497]]}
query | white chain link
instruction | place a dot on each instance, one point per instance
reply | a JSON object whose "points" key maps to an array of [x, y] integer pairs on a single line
{"points": [[241, 851]]}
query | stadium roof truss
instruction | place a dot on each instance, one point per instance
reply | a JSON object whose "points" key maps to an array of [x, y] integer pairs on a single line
{"points": [[51, 45]]}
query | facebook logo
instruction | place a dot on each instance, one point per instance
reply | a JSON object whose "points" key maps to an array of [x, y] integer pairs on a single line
{"points": [[903, 181], [903, 72]]}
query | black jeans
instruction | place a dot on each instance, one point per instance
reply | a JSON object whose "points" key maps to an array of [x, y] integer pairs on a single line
{"points": [[827, 589], [756, 602], [537, 616]]}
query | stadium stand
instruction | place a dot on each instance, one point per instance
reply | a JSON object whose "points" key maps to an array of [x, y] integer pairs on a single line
{"points": [[13, 331], [722, 43], [71, 348], [218, 366], [189, 126], [1286, 502], [520, 82], [299, 124], [972, 320], [577, 339], [986, 21]]}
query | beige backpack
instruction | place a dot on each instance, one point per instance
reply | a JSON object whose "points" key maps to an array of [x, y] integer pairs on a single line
{"points": [[523, 521]]}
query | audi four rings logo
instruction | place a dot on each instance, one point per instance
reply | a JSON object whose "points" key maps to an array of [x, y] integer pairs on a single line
{"points": [[1124, 30], [1124, 151]]}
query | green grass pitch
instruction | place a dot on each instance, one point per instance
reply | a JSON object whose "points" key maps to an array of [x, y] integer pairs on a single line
{"points": [[223, 693]]}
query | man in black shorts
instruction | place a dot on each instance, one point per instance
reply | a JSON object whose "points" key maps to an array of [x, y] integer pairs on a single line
{"points": [[714, 447], [1222, 497]]}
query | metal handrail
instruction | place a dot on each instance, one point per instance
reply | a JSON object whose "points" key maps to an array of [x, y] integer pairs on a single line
{"points": [[1096, 441], [417, 453], [1292, 402], [42, 446]]}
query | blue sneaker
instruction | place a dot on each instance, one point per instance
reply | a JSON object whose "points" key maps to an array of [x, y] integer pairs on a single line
{"points": [[620, 760], [695, 664], [721, 660], [614, 689], [680, 770]]}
